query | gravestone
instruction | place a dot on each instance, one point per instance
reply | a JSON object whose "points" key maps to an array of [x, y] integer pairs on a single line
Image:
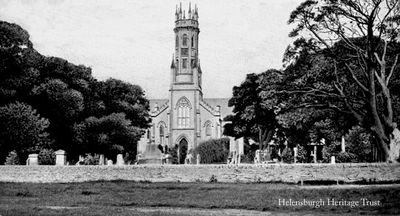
{"points": [[102, 160], [295, 150], [152, 155], [32, 160], [198, 159], [61, 158], [120, 160], [333, 160], [109, 162]]}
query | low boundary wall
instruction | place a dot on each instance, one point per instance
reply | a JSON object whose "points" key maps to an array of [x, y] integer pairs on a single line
{"points": [[247, 173]]}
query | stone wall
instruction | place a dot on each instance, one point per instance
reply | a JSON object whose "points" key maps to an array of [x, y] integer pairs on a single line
{"points": [[289, 173]]}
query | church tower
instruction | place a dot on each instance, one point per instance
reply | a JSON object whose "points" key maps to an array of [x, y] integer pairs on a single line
{"points": [[185, 118], [185, 87], [185, 65]]}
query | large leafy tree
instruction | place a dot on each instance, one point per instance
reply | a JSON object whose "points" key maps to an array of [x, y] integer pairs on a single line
{"points": [[109, 135], [251, 119], [67, 95], [363, 77]]}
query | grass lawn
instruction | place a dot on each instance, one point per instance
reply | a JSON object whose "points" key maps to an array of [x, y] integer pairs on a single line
{"points": [[132, 198]]}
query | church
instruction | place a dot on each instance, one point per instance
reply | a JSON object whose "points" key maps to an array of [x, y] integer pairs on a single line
{"points": [[185, 118]]}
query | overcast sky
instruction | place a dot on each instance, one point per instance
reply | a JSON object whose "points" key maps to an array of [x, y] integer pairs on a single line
{"points": [[133, 40]]}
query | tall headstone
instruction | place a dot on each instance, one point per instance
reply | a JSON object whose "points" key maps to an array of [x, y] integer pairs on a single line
{"points": [[120, 160], [198, 158], [343, 144], [32, 160], [295, 150], [315, 154], [102, 160], [61, 158]]}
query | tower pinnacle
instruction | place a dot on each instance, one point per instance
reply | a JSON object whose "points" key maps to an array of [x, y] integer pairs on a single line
{"points": [[181, 14]]}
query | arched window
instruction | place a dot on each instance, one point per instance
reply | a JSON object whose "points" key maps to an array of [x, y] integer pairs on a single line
{"points": [[161, 134], [183, 107], [208, 129], [184, 40], [192, 41]]}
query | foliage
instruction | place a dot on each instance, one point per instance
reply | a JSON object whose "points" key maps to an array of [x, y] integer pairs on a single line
{"points": [[64, 93], [108, 135], [287, 155], [251, 119], [89, 159], [12, 158], [213, 151], [358, 143], [330, 150], [302, 156], [346, 157], [22, 129], [354, 45], [174, 154], [47, 157]]}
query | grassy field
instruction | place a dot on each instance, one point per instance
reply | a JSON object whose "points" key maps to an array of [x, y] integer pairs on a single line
{"points": [[146, 198]]}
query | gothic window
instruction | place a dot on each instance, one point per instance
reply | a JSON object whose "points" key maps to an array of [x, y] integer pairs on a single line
{"points": [[208, 129], [161, 134], [184, 40], [184, 51], [184, 63], [192, 41], [193, 63], [183, 107], [148, 134]]}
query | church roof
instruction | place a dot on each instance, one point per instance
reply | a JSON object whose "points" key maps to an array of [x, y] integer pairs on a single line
{"points": [[159, 102], [213, 102], [222, 102]]}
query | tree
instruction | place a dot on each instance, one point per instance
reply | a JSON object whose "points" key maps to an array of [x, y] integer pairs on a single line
{"points": [[376, 25], [107, 135], [119, 96], [251, 118], [22, 130]]}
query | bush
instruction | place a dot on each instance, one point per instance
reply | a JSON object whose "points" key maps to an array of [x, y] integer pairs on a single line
{"points": [[358, 143], [329, 151], [91, 160], [346, 157], [213, 151], [12, 158], [287, 155], [46, 157], [302, 156]]}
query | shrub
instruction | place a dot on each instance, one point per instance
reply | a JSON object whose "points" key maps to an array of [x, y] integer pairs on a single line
{"points": [[91, 160], [12, 158], [213, 151], [358, 143], [302, 156], [346, 157], [46, 157], [328, 151], [287, 155]]}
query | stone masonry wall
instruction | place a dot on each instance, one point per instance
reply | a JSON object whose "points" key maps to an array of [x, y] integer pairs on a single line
{"points": [[289, 173]]}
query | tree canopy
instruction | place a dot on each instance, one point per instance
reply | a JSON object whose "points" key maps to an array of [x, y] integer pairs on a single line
{"points": [[77, 107]]}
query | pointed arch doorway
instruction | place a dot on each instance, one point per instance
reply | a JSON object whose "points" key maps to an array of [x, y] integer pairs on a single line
{"points": [[182, 150]]}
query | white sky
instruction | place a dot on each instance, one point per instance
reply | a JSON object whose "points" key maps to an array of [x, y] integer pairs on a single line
{"points": [[133, 40]]}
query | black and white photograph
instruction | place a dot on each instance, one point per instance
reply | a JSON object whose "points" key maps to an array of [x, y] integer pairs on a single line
{"points": [[199, 107]]}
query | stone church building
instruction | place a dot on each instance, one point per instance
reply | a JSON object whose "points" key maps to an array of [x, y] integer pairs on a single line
{"points": [[185, 118]]}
